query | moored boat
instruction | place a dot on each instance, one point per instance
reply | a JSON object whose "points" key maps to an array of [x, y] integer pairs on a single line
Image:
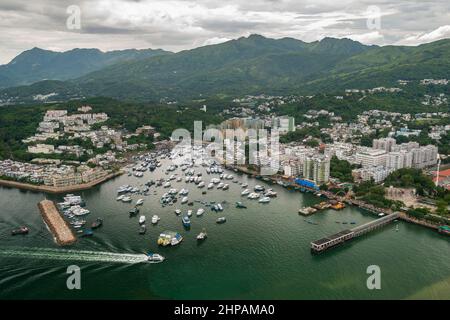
{"points": [[202, 235], [97, 223], [20, 230]]}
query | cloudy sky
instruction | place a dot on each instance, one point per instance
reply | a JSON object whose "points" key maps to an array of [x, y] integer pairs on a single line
{"points": [[184, 24]]}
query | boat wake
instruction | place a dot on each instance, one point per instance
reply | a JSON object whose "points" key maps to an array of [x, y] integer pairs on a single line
{"points": [[72, 255]]}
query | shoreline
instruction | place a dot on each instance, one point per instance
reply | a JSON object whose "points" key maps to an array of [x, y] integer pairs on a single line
{"points": [[55, 190]]}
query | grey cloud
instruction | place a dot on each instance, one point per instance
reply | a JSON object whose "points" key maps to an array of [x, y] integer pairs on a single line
{"points": [[119, 24]]}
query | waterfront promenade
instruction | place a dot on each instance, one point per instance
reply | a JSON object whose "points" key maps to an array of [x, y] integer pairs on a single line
{"points": [[57, 190]]}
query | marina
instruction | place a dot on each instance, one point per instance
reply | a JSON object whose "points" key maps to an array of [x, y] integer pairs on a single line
{"points": [[248, 237]]}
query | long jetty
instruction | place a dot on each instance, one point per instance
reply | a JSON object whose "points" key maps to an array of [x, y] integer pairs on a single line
{"points": [[326, 243], [60, 229]]}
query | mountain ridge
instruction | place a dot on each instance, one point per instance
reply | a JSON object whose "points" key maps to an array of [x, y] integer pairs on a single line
{"points": [[253, 65]]}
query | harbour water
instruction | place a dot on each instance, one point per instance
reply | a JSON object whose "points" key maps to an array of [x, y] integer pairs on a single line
{"points": [[262, 252]]}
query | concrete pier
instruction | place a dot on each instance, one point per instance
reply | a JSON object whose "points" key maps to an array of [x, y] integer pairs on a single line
{"points": [[348, 234], [60, 229]]}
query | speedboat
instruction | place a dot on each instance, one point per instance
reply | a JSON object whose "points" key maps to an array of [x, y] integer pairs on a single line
{"points": [[140, 202], [202, 235], [210, 185], [189, 213], [221, 220], [201, 184], [186, 221], [219, 206], [225, 186], [220, 185], [141, 219], [244, 185], [264, 200], [154, 258], [245, 192], [155, 219], [119, 198], [200, 212], [177, 212], [21, 230], [259, 188], [184, 200]]}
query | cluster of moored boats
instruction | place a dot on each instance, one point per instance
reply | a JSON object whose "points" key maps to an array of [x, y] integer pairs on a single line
{"points": [[73, 208]]}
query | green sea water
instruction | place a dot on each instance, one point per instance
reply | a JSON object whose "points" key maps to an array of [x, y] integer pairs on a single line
{"points": [[262, 252]]}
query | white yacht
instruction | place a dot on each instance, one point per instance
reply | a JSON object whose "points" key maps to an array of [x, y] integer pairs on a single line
{"points": [[264, 200], [126, 199], [253, 195], [155, 219]]}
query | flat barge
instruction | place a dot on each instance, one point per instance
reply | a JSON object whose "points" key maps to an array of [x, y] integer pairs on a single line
{"points": [[60, 229]]}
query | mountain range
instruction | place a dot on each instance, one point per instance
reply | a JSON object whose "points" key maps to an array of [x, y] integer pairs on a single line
{"points": [[248, 65]]}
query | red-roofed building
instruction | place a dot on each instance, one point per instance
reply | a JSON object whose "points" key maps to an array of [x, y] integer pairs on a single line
{"points": [[444, 178]]}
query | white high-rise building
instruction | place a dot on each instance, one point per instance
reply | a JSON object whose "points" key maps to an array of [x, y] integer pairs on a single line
{"points": [[371, 157]]}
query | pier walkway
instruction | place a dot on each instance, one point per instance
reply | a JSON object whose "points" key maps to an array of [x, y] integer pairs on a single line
{"points": [[348, 234]]}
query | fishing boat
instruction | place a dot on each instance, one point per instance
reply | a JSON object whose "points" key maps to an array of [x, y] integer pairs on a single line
{"points": [[200, 211], [141, 219], [20, 230], [221, 220], [154, 258], [97, 223], [202, 235], [186, 221], [240, 205], [264, 200]]}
